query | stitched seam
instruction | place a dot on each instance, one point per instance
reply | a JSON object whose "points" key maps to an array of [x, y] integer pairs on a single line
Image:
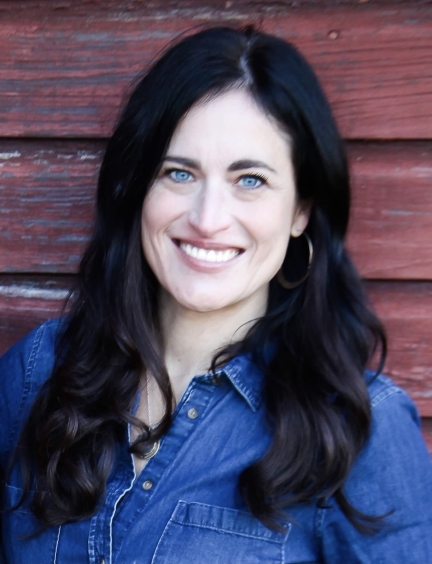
{"points": [[226, 532], [162, 536], [283, 550], [381, 396], [318, 528], [211, 506], [318, 525], [283, 544], [115, 509], [56, 545], [248, 395]]}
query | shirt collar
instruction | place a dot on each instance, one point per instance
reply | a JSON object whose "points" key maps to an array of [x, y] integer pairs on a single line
{"points": [[247, 379]]}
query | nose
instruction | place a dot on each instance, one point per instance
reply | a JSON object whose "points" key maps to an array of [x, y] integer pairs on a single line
{"points": [[209, 213]]}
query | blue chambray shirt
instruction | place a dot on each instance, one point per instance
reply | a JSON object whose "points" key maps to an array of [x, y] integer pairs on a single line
{"points": [[185, 506]]}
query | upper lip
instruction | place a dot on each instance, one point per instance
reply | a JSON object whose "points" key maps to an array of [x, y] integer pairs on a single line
{"points": [[206, 244]]}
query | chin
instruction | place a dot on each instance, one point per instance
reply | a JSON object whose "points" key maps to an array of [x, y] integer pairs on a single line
{"points": [[203, 306], [203, 303]]}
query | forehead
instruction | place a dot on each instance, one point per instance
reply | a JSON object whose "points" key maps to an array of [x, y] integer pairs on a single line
{"points": [[230, 126]]}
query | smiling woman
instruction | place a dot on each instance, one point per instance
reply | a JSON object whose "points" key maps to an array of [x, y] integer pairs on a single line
{"points": [[205, 227], [208, 399]]}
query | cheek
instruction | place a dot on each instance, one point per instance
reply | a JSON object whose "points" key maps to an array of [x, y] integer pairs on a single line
{"points": [[156, 215], [271, 226], [149, 226], [161, 214], [153, 225]]}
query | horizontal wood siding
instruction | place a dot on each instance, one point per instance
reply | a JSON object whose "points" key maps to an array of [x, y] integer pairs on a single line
{"points": [[391, 229], [25, 303], [64, 76], [47, 193], [406, 311], [66, 67]]}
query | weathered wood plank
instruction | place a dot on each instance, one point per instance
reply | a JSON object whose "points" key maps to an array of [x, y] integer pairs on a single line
{"points": [[391, 230], [64, 77], [47, 191], [406, 311], [26, 303], [19, 8], [46, 204]]}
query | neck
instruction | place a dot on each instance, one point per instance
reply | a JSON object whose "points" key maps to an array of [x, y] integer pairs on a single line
{"points": [[192, 338]]}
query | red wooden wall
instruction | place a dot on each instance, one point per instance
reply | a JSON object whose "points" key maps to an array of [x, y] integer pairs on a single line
{"points": [[64, 69]]}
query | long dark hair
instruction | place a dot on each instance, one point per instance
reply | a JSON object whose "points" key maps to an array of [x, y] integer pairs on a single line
{"points": [[322, 332]]}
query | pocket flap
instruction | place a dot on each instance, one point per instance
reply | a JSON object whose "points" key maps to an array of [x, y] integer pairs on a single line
{"points": [[225, 520]]}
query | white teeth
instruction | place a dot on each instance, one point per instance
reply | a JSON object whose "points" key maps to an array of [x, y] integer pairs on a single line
{"points": [[202, 254], [210, 255]]}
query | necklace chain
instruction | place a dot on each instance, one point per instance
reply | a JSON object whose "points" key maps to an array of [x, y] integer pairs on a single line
{"points": [[149, 415], [149, 454]]}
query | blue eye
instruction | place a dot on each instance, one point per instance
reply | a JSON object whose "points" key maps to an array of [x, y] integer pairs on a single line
{"points": [[178, 175], [252, 181]]}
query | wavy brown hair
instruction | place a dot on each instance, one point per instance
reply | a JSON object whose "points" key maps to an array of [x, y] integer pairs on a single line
{"points": [[322, 333]]}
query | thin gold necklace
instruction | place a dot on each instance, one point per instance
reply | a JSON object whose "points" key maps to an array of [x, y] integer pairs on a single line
{"points": [[154, 449]]}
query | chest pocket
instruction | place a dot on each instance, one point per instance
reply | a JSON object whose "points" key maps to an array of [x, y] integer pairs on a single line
{"points": [[198, 533], [20, 523]]}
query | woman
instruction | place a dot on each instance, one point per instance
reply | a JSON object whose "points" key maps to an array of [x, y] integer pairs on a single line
{"points": [[206, 400]]}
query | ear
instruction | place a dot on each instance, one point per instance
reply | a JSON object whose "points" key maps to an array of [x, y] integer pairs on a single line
{"points": [[301, 217]]}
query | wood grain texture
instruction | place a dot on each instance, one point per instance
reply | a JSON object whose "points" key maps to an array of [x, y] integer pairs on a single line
{"points": [[65, 75], [47, 193], [14, 9], [25, 303], [391, 229], [46, 204], [406, 311]]}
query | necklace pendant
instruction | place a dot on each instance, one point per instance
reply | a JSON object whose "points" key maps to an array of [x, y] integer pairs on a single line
{"points": [[150, 453]]}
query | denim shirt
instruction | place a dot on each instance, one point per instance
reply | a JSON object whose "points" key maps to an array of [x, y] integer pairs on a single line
{"points": [[185, 506]]}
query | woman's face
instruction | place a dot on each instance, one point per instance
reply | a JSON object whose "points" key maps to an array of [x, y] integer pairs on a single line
{"points": [[217, 220]]}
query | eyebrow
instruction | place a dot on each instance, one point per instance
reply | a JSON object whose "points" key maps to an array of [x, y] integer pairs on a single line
{"points": [[190, 163], [237, 165], [247, 163]]}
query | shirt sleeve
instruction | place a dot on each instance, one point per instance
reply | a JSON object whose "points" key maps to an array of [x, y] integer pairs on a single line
{"points": [[23, 368], [393, 474]]}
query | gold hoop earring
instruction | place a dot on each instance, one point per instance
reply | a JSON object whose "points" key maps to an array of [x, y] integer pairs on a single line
{"points": [[290, 285]]}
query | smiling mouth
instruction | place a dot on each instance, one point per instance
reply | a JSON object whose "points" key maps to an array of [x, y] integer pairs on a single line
{"points": [[208, 255]]}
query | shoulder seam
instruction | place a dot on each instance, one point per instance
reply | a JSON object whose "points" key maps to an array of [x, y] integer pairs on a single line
{"points": [[387, 392]]}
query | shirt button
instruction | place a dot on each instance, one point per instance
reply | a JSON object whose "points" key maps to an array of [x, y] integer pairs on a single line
{"points": [[193, 413], [102, 561], [147, 485]]}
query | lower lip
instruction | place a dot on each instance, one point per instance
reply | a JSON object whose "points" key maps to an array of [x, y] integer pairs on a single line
{"points": [[202, 265]]}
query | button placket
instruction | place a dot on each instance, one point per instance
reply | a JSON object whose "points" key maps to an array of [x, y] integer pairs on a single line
{"points": [[197, 397]]}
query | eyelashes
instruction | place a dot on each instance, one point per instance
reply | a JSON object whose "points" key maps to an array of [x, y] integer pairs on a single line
{"points": [[254, 178], [247, 181], [178, 175]]}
